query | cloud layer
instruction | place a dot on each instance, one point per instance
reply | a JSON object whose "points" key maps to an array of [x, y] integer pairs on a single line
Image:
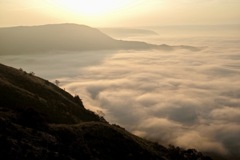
{"points": [[190, 99]]}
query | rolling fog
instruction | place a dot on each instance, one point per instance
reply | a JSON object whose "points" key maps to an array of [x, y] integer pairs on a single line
{"points": [[181, 97]]}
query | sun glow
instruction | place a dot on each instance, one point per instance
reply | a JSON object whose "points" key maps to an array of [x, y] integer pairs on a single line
{"points": [[92, 7]]}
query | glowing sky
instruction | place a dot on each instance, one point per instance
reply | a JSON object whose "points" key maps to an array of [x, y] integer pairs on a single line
{"points": [[119, 12]]}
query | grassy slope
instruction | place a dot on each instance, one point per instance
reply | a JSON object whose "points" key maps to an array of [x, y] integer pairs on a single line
{"points": [[21, 90], [41, 121]]}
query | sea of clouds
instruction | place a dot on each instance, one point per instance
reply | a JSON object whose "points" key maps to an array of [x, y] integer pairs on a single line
{"points": [[190, 99], [185, 98]]}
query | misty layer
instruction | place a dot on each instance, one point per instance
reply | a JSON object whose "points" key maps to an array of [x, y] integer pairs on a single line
{"points": [[185, 98], [180, 97]]}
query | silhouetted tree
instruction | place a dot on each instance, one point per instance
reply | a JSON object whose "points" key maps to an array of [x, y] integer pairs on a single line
{"points": [[32, 73], [57, 82], [78, 100]]}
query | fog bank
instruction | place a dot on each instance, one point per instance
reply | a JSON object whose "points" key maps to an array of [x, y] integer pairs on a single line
{"points": [[180, 97]]}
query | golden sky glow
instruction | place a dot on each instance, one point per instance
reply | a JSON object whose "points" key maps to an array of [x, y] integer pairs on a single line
{"points": [[91, 7], [119, 12]]}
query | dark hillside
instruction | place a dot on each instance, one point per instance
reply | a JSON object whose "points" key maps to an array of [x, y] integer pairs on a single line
{"points": [[20, 90], [40, 121]]}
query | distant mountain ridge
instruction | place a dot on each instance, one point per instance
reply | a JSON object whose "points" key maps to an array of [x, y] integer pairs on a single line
{"points": [[66, 37], [127, 32], [40, 121]]}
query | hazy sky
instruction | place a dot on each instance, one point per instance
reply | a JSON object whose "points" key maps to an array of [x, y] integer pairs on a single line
{"points": [[99, 13]]}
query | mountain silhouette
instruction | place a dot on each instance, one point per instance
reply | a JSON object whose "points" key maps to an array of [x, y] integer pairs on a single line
{"points": [[66, 37], [39, 120], [127, 32]]}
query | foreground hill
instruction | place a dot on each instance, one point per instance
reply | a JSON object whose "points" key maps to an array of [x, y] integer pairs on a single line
{"points": [[41, 121], [67, 37]]}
